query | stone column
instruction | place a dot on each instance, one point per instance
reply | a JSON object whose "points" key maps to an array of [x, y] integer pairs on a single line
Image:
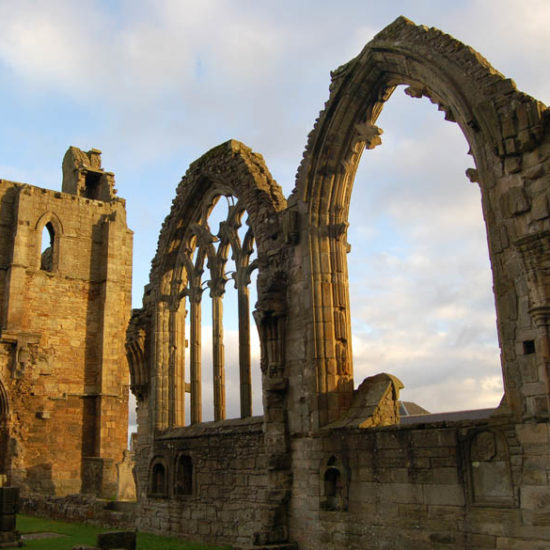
{"points": [[218, 356], [244, 351], [195, 355]]}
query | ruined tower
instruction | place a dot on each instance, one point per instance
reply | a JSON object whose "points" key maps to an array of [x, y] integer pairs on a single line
{"points": [[65, 288]]}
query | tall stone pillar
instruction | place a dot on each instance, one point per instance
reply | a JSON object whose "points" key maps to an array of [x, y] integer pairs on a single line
{"points": [[195, 355], [218, 357]]}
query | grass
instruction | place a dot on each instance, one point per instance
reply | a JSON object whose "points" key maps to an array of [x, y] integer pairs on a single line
{"points": [[80, 533]]}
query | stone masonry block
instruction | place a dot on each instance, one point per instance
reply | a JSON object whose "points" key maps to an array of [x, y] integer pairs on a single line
{"points": [[533, 434], [444, 495]]}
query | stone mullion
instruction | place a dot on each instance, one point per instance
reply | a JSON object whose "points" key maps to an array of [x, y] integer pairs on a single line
{"points": [[218, 357], [244, 351], [195, 357]]}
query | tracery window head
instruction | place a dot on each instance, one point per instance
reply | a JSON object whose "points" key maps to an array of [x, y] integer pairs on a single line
{"points": [[217, 282]]}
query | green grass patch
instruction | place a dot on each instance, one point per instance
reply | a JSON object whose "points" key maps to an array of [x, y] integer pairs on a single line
{"points": [[81, 533]]}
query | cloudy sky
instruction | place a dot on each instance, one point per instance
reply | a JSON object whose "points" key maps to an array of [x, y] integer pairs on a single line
{"points": [[155, 84]]}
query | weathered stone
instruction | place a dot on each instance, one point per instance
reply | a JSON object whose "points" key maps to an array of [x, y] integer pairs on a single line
{"points": [[327, 465], [63, 371]]}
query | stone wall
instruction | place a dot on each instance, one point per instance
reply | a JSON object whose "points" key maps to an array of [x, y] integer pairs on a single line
{"points": [[433, 486], [82, 509], [224, 499], [62, 360]]}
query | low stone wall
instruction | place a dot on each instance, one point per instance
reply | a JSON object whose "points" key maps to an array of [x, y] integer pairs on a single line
{"points": [[222, 497], [470, 484], [81, 508]]}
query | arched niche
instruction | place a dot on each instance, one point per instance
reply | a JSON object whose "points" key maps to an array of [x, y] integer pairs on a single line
{"points": [[334, 485], [184, 476], [502, 127], [158, 477]]}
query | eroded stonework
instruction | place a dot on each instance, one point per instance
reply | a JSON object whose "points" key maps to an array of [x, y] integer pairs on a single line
{"points": [[328, 466], [65, 280]]}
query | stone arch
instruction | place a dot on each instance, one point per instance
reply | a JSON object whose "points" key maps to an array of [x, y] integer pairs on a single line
{"points": [[502, 126], [231, 169], [49, 261]]}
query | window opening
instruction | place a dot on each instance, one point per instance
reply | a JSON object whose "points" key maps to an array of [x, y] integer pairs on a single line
{"points": [[528, 347], [419, 273], [219, 281], [47, 247], [92, 183], [333, 487]]}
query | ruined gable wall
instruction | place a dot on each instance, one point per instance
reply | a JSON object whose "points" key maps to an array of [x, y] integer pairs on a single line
{"points": [[65, 406]]}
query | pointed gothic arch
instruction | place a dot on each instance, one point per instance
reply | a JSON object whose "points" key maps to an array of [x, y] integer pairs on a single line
{"points": [[501, 125], [230, 169], [48, 259]]}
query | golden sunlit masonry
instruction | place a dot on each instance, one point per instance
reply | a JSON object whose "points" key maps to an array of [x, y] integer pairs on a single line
{"points": [[326, 466]]}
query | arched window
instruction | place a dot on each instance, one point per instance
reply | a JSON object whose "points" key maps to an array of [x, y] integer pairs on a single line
{"points": [[218, 270], [158, 478], [420, 279], [200, 251], [184, 476], [47, 248], [49, 231]]}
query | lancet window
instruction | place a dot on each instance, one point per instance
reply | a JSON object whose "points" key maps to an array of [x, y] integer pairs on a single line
{"points": [[47, 248]]}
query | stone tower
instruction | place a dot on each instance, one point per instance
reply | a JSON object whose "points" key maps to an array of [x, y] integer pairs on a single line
{"points": [[65, 288]]}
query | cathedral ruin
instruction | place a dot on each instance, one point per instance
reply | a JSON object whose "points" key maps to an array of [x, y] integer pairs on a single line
{"points": [[330, 463], [328, 466]]}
